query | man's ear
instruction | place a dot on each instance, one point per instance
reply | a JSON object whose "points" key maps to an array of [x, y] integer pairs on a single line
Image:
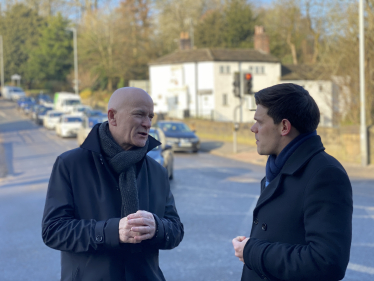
{"points": [[285, 127], [111, 117]]}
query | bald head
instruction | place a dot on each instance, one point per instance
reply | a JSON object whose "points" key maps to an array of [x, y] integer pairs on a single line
{"points": [[127, 96], [130, 113]]}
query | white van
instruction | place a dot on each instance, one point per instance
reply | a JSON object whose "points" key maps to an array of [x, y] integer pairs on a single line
{"points": [[65, 102], [13, 93]]}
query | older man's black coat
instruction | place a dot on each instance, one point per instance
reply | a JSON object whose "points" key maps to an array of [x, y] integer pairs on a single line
{"points": [[302, 224], [83, 210]]}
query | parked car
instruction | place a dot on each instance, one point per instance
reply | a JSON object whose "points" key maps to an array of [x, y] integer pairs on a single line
{"points": [[23, 101], [68, 125], [179, 136], [94, 113], [41, 112], [87, 124], [80, 109], [34, 111], [13, 93], [163, 153], [27, 107], [51, 118]]}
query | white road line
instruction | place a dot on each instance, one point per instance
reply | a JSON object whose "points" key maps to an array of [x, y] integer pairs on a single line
{"points": [[361, 268], [364, 207]]}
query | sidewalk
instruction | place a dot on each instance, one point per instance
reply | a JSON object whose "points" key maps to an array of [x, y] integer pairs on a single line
{"points": [[249, 154]]}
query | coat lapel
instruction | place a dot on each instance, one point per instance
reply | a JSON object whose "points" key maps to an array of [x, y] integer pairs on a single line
{"points": [[296, 161], [143, 187]]}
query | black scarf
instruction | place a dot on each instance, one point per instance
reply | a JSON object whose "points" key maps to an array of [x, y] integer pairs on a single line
{"points": [[123, 163], [275, 164]]}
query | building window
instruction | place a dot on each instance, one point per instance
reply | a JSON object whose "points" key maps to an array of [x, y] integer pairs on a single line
{"points": [[262, 69], [320, 88], [250, 69], [224, 69], [224, 99]]}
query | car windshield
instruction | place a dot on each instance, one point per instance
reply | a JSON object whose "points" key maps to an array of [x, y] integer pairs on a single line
{"points": [[92, 121], [155, 135], [44, 110], [72, 102], [17, 90], [94, 113], [72, 119], [55, 114], [174, 127]]}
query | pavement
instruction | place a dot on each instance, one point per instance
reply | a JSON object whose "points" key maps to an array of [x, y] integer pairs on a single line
{"points": [[248, 154]]}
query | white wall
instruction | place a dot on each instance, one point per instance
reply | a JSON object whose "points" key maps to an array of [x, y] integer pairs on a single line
{"points": [[264, 75], [325, 95]]}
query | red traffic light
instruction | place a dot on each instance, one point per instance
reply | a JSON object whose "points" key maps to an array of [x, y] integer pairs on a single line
{"points": [[248, 76]]}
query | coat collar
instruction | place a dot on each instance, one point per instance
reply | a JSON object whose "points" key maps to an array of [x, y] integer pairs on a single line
{"points": [[92, 141], [297, 160]]}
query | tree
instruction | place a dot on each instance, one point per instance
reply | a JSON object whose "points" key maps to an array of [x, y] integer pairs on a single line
{"points": [[20, 27], [231, 26], [52, 58]]}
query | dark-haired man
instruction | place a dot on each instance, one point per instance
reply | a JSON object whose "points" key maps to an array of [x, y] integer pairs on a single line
{"points": [[109, 208], [302, 223]]}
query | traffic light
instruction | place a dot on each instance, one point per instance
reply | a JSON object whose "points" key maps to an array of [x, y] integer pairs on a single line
{"points": [[247, 84], [236, 84]]}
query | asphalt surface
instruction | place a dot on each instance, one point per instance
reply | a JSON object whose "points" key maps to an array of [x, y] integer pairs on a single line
{"points": [[214, 195]]}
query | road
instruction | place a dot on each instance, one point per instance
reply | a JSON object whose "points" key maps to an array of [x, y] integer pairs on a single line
{"points": [[215, 197]]}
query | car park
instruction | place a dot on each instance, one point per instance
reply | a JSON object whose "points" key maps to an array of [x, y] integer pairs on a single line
{"points": [[163, 153], [179, 136], [68, 125], [86, 126], [51, 118], [27, 108]]}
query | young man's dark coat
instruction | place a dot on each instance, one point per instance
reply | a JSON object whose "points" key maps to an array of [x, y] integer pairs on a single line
{"points": [[83, 210], [302, 224]]}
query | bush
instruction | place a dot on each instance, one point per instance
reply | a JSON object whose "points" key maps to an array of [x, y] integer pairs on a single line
{"points": [[85, 94]]}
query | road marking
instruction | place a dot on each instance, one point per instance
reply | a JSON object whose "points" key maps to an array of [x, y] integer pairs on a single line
{"points": [[2, 114], [363, 217], [364, 207], [361, 268]]}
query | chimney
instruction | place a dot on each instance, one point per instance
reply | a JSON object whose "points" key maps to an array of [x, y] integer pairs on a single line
{"points": [[261, 40], [184, 41]]}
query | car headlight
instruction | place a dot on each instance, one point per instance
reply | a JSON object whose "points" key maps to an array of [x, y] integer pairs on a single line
{"points": [[171, 141]]}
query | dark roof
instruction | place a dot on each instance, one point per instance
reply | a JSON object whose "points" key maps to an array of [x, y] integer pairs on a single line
{"points": [[303, 72], [200, 55]]}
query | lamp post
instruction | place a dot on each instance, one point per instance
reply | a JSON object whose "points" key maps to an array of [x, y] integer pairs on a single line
{"points": [[2, 64], [74, 30], [363, 129]]}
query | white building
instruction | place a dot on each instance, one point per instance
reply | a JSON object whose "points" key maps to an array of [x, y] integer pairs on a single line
{"points": [[324, 90], [199, 82]]}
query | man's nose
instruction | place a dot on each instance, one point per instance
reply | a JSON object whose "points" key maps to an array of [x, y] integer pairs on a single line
{"points": [[147, 122], [253, 129]]}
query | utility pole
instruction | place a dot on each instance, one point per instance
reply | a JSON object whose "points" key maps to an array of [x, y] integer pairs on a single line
{"points": [[363, 129], [2, 65], [76, 87]]}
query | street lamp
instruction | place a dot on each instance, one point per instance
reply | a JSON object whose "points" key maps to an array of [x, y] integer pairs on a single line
{"points": [[363, 129], [74, 30], [2, 65]]}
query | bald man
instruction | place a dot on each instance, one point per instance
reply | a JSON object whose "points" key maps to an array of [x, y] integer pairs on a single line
{"points": [[109, 208]]}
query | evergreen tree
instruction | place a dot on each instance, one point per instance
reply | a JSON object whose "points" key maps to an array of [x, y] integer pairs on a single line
{"points": [[52, 59]]}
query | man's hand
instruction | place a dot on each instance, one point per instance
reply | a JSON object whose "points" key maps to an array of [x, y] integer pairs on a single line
{"points": [[239, 243], [126, 235], [143, 223]]}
